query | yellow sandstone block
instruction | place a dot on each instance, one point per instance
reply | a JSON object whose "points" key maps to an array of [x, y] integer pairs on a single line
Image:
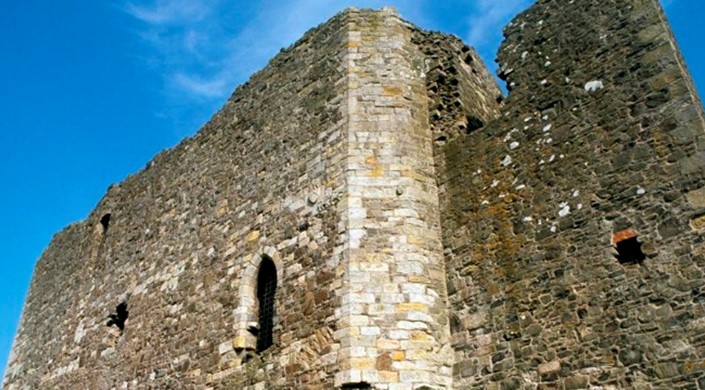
{"points": [[402, 307], [194, 373], [377, 171], [362, 363], [240, 342], [698, 223], [693, 365], [387, 344], [414, 240], [389, 376], [392, 91], [417, 355], [374, 258], [418, 278], [397, 356], [420, 336], [252, 236]]}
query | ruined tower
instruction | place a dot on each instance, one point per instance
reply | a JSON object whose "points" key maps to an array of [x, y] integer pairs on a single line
{"points": [[369, 212]]}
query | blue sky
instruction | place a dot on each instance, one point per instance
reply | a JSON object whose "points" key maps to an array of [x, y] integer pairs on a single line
{"points": [[91, 90]]}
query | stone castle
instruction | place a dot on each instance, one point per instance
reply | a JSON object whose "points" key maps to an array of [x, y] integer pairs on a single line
{"points": [[369, 212]]}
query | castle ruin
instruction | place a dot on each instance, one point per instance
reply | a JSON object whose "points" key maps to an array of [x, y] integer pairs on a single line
{"points": [[369, 212]]}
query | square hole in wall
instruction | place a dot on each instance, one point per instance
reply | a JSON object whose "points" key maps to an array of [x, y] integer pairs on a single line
{"points": [[628, 247]]}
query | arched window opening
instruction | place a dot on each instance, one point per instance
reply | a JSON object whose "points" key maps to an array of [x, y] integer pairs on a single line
{"points": [[266, 289], [105, 222], [100, 231], [357, 386]]}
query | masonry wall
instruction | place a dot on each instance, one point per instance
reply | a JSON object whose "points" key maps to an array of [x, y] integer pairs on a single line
{"points": [[601, 137], [323, 163], [393, 326], [426, 232], [185, 237]]}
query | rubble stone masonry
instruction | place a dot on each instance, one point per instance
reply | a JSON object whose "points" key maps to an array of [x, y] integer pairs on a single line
{"points": [[600, 140], [427, 233]]}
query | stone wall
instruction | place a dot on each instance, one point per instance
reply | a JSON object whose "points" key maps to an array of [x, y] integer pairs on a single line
{"points": [[601, 139], [426, 232], [184, 240], [322, 163], [393, 327]]}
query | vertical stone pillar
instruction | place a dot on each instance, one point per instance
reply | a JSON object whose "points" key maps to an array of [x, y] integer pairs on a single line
{"points": [[392, 322]]}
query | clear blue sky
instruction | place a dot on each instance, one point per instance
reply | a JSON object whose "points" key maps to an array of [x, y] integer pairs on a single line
{"points": [[91, 90]]}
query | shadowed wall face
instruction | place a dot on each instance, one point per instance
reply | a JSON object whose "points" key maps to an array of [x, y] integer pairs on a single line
{"points": [[600, 150]]}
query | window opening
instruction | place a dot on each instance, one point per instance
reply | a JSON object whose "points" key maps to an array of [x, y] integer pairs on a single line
{"points": [[357, 386], [474, 123], [628, 247], [105, 222], [100, 231], [266, 289], [629, 251], [119, 317]]}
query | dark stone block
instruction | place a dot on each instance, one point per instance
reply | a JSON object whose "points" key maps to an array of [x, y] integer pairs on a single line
{"points": [[670, 228], [656, 99], [628, 357]]}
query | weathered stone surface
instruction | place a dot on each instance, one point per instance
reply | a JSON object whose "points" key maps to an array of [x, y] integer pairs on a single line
{"points": [[549, 368], [600, 140], [426, 231], [576, 382], [697, 198]]}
